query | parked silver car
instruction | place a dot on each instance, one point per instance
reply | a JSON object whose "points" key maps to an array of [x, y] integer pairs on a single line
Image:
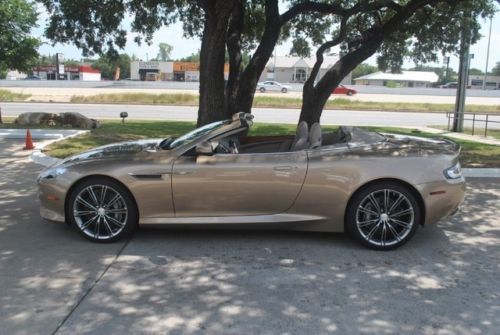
{"points": [[270, 85]]}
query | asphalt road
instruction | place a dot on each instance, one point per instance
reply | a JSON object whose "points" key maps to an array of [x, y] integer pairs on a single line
{"points": [[444, 281], [195, 86], [267, 115]]}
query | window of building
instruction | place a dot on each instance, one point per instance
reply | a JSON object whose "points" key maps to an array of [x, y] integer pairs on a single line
{"points": [[300, 75], [476, 82]]}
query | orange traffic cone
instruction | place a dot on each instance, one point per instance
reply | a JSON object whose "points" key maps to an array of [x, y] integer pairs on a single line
{"points": [[29, 141]]}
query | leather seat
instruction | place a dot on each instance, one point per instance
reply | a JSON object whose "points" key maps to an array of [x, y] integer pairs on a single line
{"points": [[315, 137], [301, 140]]}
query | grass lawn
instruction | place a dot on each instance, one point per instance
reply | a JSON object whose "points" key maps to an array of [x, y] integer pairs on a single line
{"points": [[473, 154], [276, 102], [8, 96]]}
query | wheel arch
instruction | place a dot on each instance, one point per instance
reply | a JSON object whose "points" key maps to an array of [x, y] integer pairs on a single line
{"points": [[85, 178], [403, 183]]}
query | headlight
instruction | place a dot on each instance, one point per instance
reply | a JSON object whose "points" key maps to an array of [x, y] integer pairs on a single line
{"points": [[52, 173], [454, 172]]}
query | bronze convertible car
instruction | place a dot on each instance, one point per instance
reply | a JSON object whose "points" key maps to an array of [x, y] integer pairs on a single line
{"points": [[378, 187]]}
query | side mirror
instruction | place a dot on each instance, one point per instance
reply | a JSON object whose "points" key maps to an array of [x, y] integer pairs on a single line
{"points": [[204, 148]]}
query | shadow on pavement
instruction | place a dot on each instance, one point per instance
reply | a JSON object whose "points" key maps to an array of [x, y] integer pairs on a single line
{"points": [[240, 282], [245, 282], [44, 267]]}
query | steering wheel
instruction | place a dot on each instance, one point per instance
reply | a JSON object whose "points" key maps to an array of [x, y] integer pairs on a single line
{"points": [[233, 147], [223, 147]]}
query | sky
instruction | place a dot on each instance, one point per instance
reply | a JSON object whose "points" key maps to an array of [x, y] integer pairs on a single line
{"points": [[183, 47]]}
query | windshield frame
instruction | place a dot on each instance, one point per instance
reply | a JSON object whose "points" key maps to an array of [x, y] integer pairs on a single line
{"points": [[198, 133]]}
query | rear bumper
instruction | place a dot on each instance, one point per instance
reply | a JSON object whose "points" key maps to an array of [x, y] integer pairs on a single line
{"points": [[442, 199]]}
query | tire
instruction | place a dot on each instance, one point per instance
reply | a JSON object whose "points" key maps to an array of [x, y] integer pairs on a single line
{"points": [[262, 89], [284, 90], [349, 93], [106, 210], [382, 225]]}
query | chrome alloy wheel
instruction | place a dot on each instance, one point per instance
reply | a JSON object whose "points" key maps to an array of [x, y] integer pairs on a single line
{"points": [[100, 211], [385, 217]]}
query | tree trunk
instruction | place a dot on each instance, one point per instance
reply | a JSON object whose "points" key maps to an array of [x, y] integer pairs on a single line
{"points": [[313, 102], [212, 53], [250, 76], [233, 43], [315, 98]]}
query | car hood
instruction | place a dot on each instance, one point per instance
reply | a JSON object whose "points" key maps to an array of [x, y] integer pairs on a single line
{"points": [[115, 150]]}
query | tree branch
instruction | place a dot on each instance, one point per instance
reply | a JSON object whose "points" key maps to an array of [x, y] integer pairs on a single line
{"points": [[310, 6], [321, 50], [257, 63], [370, 43], [337, 9]]}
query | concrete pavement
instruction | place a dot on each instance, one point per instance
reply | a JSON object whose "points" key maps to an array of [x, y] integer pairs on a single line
{"points": [[445, 281], [44, 269]]}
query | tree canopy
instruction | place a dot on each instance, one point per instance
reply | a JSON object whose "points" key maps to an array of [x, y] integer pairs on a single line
{"points": [[107, 64], [496, 69], [164, 52], [363, 69], [17, 48], [421, 30]]}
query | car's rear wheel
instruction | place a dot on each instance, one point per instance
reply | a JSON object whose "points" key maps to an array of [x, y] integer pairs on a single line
{"points": [[262, 89], [102, 210], [284, 90], [383, 216]]}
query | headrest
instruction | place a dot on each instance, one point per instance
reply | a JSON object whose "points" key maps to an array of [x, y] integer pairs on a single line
{"points": [[315, 137]]}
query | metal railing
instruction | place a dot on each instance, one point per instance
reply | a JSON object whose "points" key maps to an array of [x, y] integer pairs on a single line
{"points": [[487, 118]]}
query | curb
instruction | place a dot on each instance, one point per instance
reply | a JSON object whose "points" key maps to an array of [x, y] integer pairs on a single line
{"points": [[481, 172], [38, 157]]}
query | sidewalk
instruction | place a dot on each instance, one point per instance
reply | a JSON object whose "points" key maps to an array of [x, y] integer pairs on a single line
{"points": [[42, 138], [460, 136], [41, 134]]}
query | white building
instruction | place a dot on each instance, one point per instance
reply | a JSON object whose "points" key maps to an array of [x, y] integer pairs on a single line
{"points": [[403, 79], [139, 70], [492, 82], [293, 69], [87, 73]]}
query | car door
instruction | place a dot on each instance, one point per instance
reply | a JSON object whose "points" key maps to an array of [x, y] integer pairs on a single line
{"points": [[237, 184], [271, 86]]}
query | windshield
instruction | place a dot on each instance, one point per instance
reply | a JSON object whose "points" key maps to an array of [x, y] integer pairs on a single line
{"points": [[198, 133]]}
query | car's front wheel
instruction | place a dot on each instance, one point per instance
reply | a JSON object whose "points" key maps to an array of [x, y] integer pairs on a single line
{"points": [[383, 216], [284, 90], [350, 93], [102, 210]]}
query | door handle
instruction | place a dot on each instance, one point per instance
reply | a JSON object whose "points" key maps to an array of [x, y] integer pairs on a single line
{"points": [[284, 168]]}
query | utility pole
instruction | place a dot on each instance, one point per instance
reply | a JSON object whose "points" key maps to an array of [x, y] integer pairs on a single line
{"points": [[463, 75], [487, 56], [446, 59]]}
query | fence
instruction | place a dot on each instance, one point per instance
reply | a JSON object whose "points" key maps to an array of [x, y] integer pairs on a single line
{"points": [[487, 118]]}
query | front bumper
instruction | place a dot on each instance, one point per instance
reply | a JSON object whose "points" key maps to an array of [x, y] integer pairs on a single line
{"points": [[52, 200]]}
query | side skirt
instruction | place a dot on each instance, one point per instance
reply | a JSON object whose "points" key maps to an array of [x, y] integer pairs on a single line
{"points": [[247, 219]]}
